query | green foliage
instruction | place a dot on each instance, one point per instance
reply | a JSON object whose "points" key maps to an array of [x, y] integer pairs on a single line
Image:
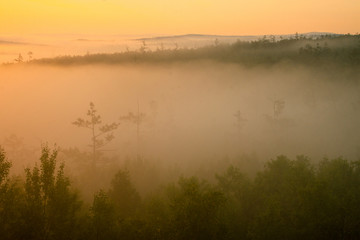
{"points": [[288, 199], [281, 197], [9, 198], [236, 211], [4, 169], [124, 195], [156, 215], [337, 189], [194, 209], [51, 207], [103, 217]]}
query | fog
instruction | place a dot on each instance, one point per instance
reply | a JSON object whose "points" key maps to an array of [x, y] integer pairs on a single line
{"points": [[240, 146], [42, 45], [191, 110]]}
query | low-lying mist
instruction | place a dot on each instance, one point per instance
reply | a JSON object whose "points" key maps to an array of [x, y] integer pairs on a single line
{"points": [[195, 112], [245, 146]]}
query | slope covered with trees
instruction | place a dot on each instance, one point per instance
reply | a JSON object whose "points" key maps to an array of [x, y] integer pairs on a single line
{"points": [[342, 50], [288, 199]]}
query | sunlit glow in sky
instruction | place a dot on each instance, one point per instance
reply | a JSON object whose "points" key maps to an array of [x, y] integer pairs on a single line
{"points": [[229, 17]]}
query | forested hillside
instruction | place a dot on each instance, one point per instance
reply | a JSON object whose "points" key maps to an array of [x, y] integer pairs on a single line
{"points": [[342, 50], [288, 199]]}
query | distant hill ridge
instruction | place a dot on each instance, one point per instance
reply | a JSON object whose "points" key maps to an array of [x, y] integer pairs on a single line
{"points": [[169, 37], [311, 49]]}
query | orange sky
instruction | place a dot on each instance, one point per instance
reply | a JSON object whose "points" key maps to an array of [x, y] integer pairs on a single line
{"points": [[228, 17]]}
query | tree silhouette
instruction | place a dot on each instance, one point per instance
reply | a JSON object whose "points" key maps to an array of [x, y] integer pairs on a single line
{"points": [[4, 169], [124, 195], [4, 187], [10, 201], [240, 120], [30, 55], [137, 119], [194, 209], [279, 106], [103, 217], [101, 134], [50, 205], [19, 59]]}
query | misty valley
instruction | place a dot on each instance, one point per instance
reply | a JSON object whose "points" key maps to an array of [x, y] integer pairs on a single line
{"points": [[243, 140]]}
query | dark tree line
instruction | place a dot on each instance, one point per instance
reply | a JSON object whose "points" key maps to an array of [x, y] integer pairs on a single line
{"points": [[334, 50], [288, 199]]}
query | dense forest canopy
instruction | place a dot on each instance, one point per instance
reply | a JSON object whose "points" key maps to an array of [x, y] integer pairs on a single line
{"points": [[288, 199]]}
